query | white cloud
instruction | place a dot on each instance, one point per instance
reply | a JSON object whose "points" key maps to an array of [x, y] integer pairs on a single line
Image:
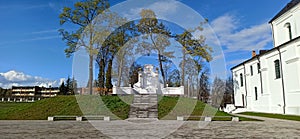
{"points": [[224, 25], [162, 9], [165, 7], [5, 44], [45, 31], [15, 78], [234, 39]]}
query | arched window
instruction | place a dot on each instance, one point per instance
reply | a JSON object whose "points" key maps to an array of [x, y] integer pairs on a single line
{"points": [[289, 28], [277, 68], [242, 81]]}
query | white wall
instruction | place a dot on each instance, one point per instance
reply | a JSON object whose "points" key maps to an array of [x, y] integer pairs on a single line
{"points": [[239, 91], [173, 91], [280, 32], [291, 71], [271, 97]]}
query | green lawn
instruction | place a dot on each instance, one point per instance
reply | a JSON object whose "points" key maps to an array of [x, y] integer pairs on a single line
{"points": [[192, 107], [63, 105], [270, 115], [117, 107]]}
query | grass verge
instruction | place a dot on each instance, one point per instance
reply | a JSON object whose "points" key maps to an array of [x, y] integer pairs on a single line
{"points": [[171, 107], [271, 115]]}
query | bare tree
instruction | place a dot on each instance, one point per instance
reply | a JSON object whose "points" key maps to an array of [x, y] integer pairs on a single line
{"points": [[228, 96], [204, 86], [218, 90]]}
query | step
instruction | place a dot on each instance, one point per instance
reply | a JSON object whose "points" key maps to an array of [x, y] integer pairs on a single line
{"points": [[144, 106]]}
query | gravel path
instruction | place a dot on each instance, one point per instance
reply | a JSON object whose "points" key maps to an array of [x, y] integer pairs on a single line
{"points": [[167, 129]]}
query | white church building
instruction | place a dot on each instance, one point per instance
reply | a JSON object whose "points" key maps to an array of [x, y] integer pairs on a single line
{"points": [[270, 80]]}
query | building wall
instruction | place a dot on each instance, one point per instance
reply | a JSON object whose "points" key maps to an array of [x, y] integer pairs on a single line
{"points": [[273, 89], [30, 91], [271, 95], [239, 90], [291, 65], [280, 31], [253, 81]]}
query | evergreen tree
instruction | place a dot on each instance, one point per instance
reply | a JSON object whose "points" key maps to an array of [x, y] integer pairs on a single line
{"points": [[68, 86], [62, 89], [108, 83], [134, 73]]}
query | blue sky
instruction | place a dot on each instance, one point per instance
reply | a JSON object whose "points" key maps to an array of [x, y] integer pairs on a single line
{"points": [[32, 52]]}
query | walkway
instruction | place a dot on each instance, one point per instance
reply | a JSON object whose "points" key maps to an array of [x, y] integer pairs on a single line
{"points": [[168, 129]]}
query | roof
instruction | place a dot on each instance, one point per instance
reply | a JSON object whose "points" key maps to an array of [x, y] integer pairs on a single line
{"points": [[15, 87], [289, 6], [271, 50]]}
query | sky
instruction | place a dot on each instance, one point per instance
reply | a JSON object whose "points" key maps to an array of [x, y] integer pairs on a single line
{"points": [[32, 51]]}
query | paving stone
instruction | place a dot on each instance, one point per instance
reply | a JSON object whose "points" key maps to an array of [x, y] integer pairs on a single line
{"points": [[153, 129]]}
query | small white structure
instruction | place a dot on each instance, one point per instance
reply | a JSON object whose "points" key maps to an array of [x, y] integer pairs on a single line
{"points": [[270, 80], [148, 83]]}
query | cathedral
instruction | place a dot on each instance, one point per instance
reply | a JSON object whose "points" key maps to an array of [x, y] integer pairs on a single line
{"points": [[270, 81]]}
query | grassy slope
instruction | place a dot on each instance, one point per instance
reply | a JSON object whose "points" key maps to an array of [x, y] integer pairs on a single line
{"points": [[91, 105], [167, 111], [270, 115], [61, 105]]}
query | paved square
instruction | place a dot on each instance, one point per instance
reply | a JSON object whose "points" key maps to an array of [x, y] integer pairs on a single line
{"points": [[121, 129]]}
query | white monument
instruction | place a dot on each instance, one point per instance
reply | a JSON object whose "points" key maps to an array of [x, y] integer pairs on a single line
{"points": [[148, 83]]}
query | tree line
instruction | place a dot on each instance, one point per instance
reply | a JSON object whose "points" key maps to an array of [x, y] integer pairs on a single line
{"points": [[68, 87], [5, 92], [111, 41], [148, 35]]}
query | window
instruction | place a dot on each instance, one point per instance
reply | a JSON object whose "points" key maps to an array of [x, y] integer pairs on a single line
{"points": [[251, 70], [241, 78], [258, 68], [255, 90], [277, 69], [288, 26]]}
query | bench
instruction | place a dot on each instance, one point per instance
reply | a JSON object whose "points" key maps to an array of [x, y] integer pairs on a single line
{"points": [[78, 118], [61, 117], [206, 118], [95, 117]]}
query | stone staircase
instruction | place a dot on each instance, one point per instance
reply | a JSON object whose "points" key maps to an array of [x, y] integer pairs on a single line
{"points": [[144, 106]]}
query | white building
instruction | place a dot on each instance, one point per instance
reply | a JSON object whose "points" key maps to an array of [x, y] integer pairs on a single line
{"points": [[270, 80]]}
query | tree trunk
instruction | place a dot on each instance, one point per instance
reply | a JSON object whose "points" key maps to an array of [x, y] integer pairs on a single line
{"points": [[120, 72], [159, 60], [183, 67], [101, 75], [161, 69], [90, 82]]}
